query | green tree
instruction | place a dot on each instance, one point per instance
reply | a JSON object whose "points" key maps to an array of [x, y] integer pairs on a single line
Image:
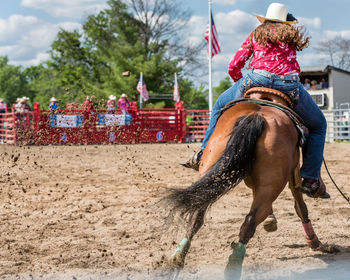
{"points": [[45, 83], [223, 86], [195, 99], [112, 42], [121, 38], [13, 82]]}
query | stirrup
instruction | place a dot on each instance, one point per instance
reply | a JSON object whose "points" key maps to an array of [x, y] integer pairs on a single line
{"points": [[194, 161], [314, 188]]}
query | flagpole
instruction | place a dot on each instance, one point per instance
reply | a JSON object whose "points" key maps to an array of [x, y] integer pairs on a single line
{"points": [[210, 55], [175, 79], [141, 93]]}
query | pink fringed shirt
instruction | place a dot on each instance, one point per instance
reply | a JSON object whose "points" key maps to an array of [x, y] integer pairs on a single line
{"points": [[277, 58]]}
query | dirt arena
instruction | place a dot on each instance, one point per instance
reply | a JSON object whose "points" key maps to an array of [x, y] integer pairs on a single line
{"points": [[91, 212]]}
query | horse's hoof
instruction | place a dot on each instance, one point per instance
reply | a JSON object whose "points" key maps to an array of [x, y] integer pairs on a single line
{"points": [[177, 259], [176, 262], [233, 270], [316, 245], [270, 224], [329, 249]]}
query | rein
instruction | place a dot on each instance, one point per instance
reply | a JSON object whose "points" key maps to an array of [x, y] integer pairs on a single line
{"points": [[345, 197]]}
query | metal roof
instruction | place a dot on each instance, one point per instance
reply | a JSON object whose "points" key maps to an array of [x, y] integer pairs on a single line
{"points": [[322, 68], [317, 68]]}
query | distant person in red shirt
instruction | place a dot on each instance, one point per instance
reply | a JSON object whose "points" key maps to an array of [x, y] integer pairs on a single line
{"points": [[111, 105], [88, 106], [88, 112], [124, 103]]}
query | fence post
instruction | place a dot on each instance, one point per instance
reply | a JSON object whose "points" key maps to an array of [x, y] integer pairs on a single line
{"points": [[37, 118], [135, 126], [180, 106], [14, 125]]}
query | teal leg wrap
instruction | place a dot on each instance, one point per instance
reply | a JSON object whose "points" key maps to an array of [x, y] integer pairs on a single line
{"points": [[233, 268], [178, 257]]}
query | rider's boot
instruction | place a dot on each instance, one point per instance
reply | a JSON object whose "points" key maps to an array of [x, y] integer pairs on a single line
{"points": [[194, 161], [314, 188]]}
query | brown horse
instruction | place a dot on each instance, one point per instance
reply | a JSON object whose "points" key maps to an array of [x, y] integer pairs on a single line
{"points": [[254, 143]]}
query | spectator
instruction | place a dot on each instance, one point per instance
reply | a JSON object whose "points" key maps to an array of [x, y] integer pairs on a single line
{"points": [[53, 104], [3, 106], [88, 112], [26, 107], [324, 83], [88, 106], [314, 85], [18, 106], [124, 103], [111, 104], [307, 84]]}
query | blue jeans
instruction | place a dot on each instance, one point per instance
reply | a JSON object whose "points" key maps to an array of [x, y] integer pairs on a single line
{"points": [[304, 106]]}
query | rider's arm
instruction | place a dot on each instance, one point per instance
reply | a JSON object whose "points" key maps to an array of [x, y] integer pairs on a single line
{"points": [[240, 58]]}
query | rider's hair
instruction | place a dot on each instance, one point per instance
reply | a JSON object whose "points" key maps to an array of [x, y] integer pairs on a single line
{"points": [[273, 32]]}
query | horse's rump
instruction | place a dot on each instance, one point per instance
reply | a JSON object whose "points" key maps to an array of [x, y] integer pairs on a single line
{"points": [[280, 134]]}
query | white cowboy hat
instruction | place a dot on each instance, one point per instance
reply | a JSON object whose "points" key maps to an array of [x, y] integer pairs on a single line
{"points": [[25, 98], [18, 99], [275, 12], [123, 95], [112, 97], [53, 99]]}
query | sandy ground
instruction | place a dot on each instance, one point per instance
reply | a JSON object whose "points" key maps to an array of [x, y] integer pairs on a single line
{"points": [[91, 212]]}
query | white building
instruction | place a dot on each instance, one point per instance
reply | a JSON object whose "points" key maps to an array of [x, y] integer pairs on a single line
{"points": [[333, 99], [337, 95]]}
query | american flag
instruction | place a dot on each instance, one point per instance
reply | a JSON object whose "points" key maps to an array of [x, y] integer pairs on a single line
{"points": [[176, 95], [141, 87], [215, 46]]}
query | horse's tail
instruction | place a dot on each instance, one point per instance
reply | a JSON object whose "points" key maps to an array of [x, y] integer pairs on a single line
{"points": [[232, 167]]}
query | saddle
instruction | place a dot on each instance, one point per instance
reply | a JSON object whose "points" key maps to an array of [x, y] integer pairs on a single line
{"points": [[270, 95], [277, 99]]}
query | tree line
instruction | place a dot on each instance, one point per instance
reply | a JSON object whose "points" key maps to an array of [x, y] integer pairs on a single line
{"points": [[129, 36]]}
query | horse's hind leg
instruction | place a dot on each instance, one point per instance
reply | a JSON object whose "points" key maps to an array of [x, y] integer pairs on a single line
{"points": [[177, 259], [302, 211], [259, 211]]}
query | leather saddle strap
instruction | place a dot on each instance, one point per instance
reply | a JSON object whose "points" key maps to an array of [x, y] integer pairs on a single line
{"points": [[270, 91], [289, 112]]}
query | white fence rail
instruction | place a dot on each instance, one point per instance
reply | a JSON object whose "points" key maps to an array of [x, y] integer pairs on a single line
{"points": [[338, 125]]}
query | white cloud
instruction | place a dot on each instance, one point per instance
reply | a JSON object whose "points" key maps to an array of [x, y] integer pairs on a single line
{"points": [[328, 35], [310, 22], [26, 39], [235, 22], [39, 57], [66, 8], [225, 2], [9, 28], [312, 58]]}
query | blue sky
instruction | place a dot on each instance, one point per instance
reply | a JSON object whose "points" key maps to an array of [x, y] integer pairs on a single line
{"points": [[28, 27]]}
